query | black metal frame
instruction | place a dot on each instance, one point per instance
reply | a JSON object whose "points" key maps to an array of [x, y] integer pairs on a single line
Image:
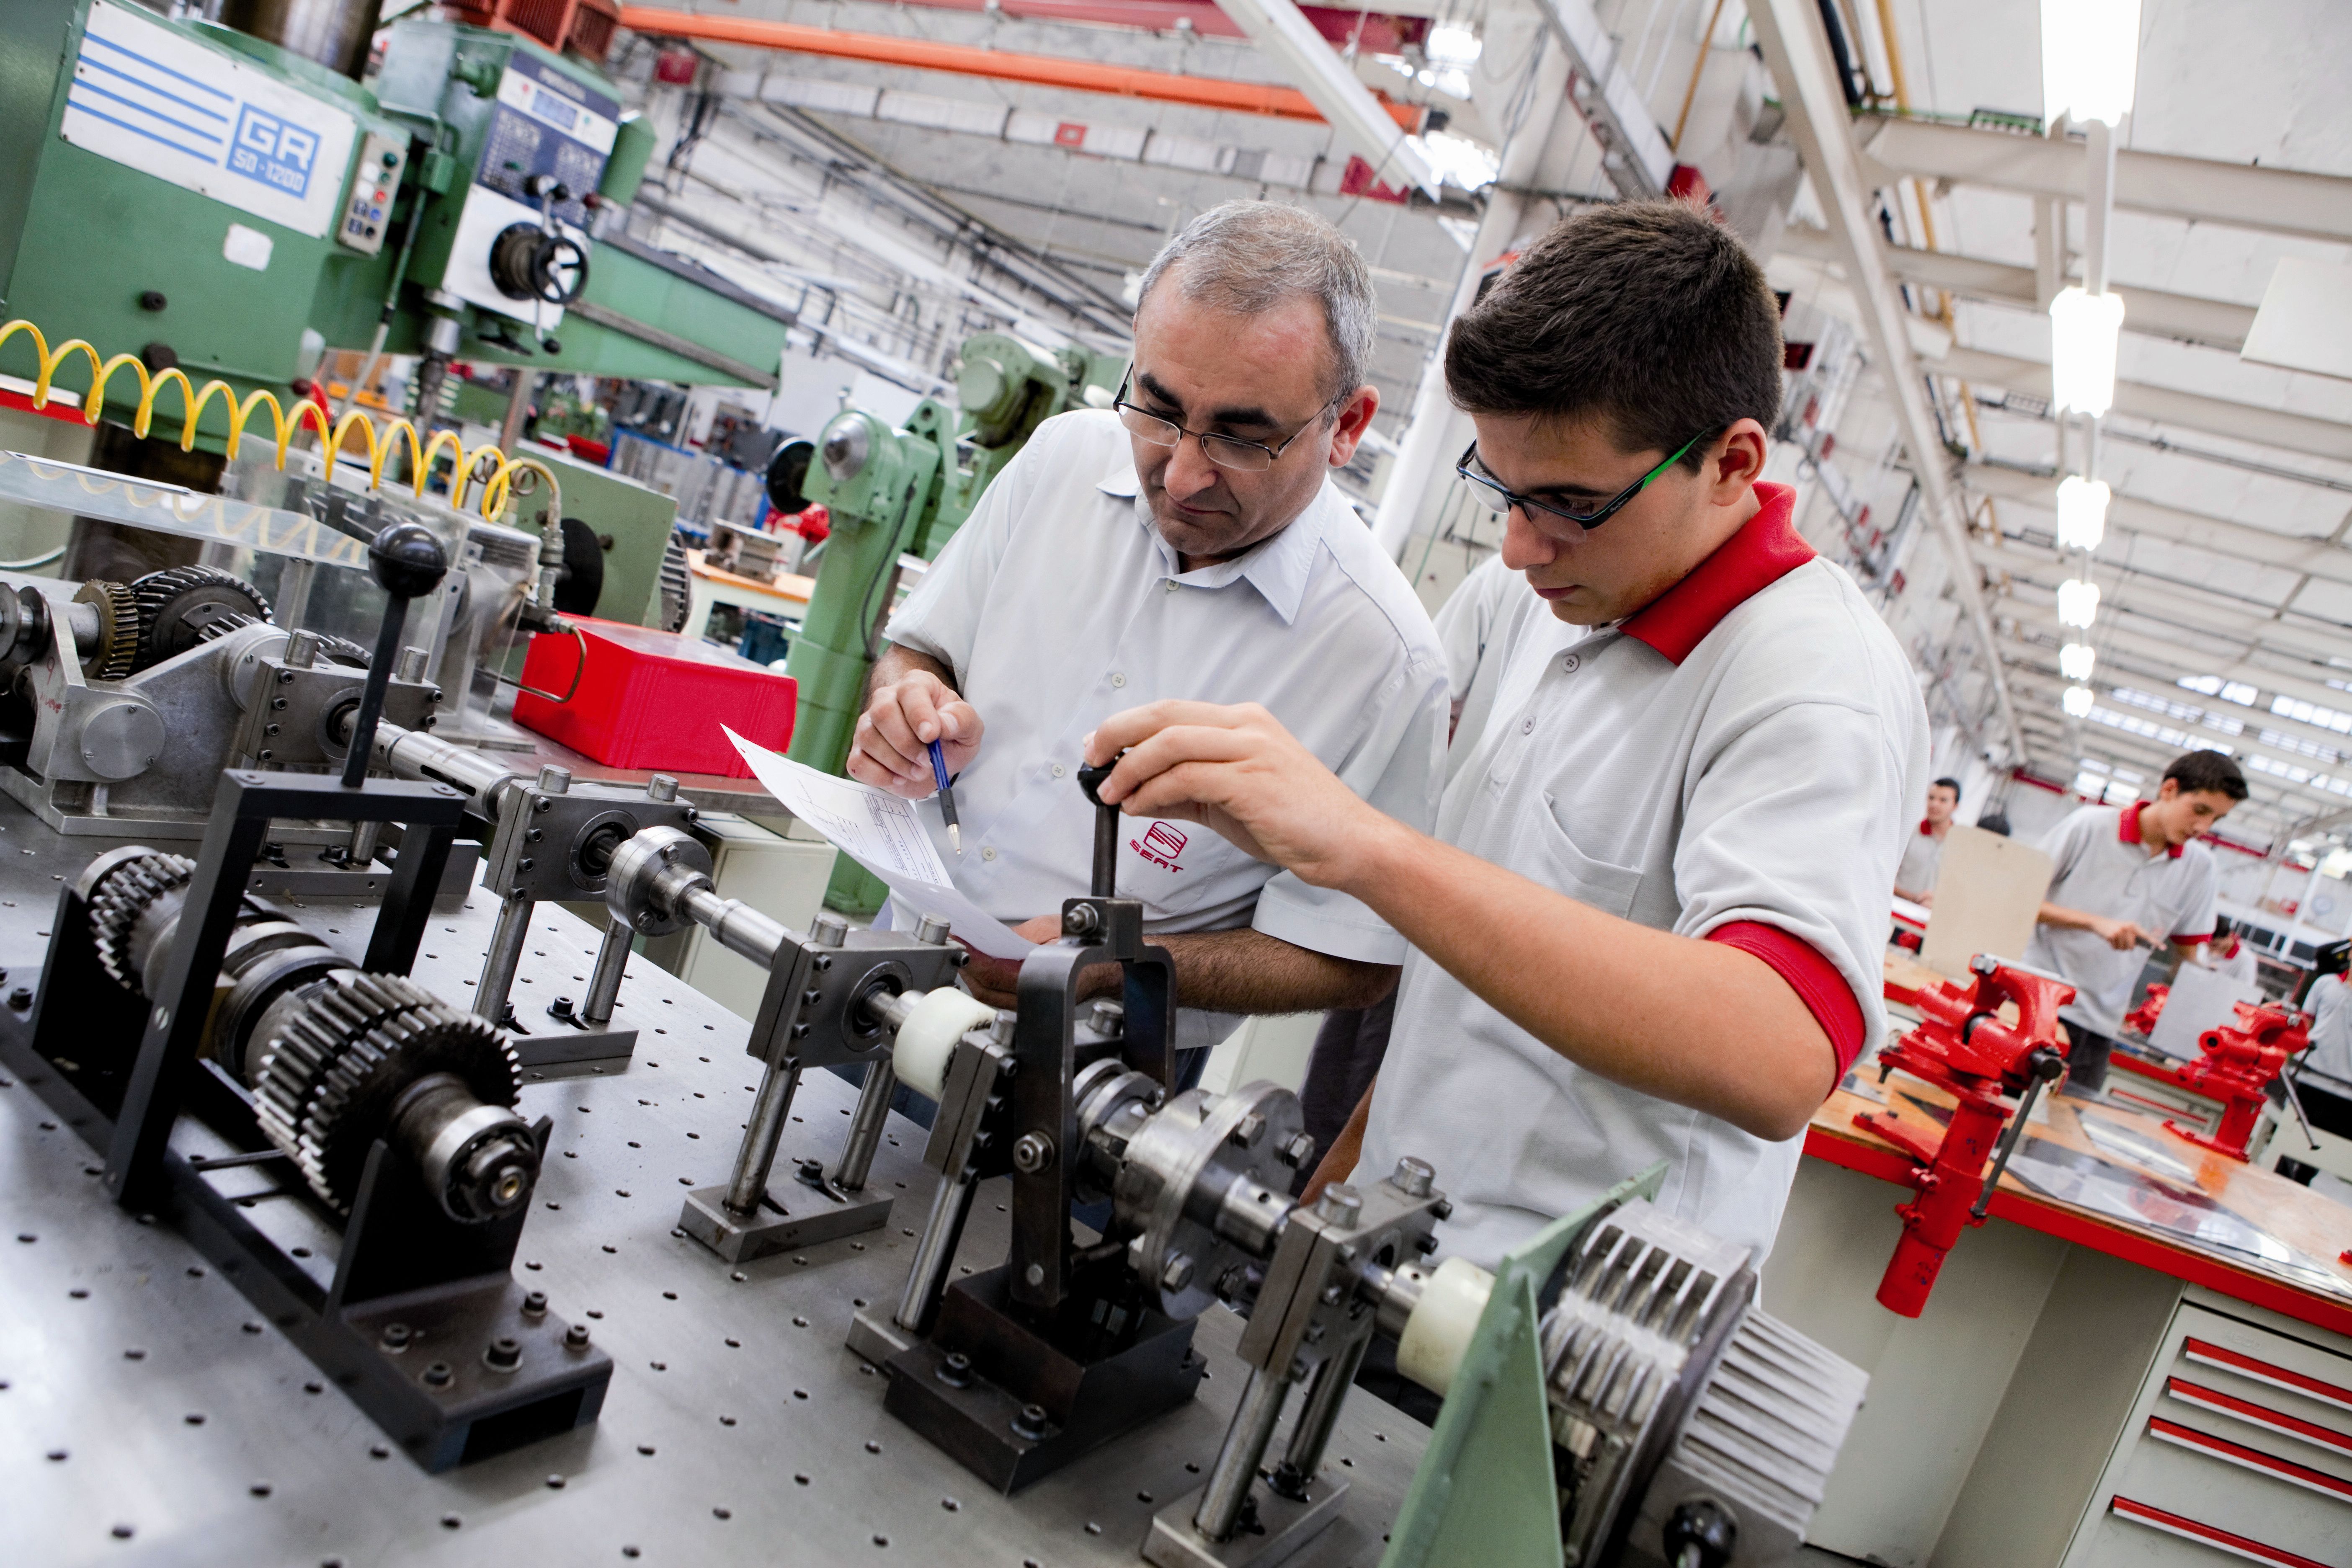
{"points": [[416, 1297]]}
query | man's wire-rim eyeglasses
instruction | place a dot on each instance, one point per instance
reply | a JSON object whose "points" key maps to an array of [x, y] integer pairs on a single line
{"points": [[1225, 451], [1495, 498]]}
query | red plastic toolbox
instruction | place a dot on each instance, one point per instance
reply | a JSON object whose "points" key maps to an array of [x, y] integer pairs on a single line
{"points": [[654, 700]]}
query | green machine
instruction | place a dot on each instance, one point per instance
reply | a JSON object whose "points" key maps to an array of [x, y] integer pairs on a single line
{"points": [[211, 199], [906, 491]]}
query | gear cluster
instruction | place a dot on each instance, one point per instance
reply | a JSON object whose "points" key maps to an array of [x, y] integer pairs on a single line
{"points": [[122, 893], [117, 653], [330, 1079], [181, 606]]}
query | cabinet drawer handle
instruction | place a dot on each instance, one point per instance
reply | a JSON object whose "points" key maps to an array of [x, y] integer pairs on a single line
{"points": [[2263, 1416], [2208, 1354], [2252, 1550], [2253, 1459]]}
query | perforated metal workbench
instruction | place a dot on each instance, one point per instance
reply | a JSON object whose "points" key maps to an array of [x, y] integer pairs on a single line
{"points": [[148, 1414]]}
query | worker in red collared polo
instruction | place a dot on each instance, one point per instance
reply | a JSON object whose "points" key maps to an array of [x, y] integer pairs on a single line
{"points": [[1649, 927], [2122, 880], [1923, 852]]}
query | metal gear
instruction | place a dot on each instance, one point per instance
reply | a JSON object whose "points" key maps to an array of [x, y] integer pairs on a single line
{"points": [[180, 605], [117, 653], [328, 1083], [123, 892]]}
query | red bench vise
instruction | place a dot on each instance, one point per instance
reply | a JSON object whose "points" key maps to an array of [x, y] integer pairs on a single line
{"points": [[1961, 1045], [2238, 1067]]}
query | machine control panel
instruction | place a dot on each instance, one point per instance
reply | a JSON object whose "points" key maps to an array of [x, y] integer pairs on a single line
{"points": [[367, 213]]}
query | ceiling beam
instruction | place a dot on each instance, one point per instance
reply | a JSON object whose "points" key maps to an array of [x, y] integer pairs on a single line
{"points": [[2201, 190], [2164, 406], [2121, 668], [1795, 52], [2167, 643], [2152, 312], [2201, 614], [1330, 83], [2031, 679], [2307, 553], [1635, 158]]}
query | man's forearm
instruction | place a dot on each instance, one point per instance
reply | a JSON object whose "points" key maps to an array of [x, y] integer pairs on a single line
{"points": [[1249, 971], [1697, 1023]]}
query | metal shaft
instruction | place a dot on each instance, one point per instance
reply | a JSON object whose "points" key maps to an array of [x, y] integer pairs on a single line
{"points": [[740, 928], [865, 1126], [360, 851], [1106, 878], [604, 981], [753, 1161], [413, 754], [1317, 1417], [379, 678], [506, 951], [942, 1232], [1237, 1461]]}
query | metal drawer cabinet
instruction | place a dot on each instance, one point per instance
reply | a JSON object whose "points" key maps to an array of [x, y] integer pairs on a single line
{"points": [[2239, 1447]]}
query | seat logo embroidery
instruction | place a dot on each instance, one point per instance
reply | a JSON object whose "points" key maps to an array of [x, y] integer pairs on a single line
{"points": [[1161, 843]]}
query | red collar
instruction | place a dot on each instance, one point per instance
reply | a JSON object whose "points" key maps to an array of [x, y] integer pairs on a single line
{"points": [[2130, 833], [1765, 550], [1927, 828]]}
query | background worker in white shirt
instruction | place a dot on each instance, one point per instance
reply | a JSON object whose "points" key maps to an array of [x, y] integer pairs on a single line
{"points": [[2227, 951], [1923, 852], [1187, 544], [1651, 923], [2121, 880]]}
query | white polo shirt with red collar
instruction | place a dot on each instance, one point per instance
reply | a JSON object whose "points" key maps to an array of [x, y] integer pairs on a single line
{"points": [[1737, 762], [1923, 858], [2100, 867]]}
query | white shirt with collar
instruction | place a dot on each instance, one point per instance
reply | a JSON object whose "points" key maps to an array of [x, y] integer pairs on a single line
{"points": [[1923, 859], [2099, 866], [1480, 614], [1058, 604], [1736, 763]]}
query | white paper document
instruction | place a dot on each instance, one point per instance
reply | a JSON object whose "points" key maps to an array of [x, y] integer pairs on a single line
{"points": [[882, 832]]}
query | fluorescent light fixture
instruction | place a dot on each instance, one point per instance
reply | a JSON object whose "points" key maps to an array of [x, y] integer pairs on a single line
{"points": [[2083, 329], [2081, 512], [2078, 603], [2090, 58], [2076, 659], [2077, 701]]}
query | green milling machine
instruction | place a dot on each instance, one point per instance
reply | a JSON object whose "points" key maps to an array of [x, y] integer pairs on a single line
{"points": [[896, 494]]}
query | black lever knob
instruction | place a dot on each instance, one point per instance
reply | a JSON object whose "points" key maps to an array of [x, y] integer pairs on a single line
{"points": [[408, 563], [1090, 779]]}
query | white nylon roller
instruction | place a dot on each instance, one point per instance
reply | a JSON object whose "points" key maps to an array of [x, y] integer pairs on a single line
{"points": [[1438, 1335], [928, 1038]]}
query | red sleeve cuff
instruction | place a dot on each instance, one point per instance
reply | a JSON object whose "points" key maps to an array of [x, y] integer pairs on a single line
{"points": [[1814, 979]]}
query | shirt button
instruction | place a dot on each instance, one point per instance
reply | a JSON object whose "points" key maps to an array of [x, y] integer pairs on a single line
{"points": [[988, 852], [1117, 679], [1570, 663], [1057, 770], [1528, 727], [1171, 585]]}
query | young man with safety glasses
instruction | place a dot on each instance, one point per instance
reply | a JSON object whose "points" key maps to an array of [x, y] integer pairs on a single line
{"points": [[1650, 924], [1185, 542]]}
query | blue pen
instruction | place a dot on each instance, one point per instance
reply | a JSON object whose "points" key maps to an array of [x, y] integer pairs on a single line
{"points": [[947, 798]]}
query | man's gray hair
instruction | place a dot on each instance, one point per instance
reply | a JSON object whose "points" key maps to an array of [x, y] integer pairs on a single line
{"points": [[1250, 257]]}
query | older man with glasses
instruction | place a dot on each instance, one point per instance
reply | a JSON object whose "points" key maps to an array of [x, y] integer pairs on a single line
{"points": [[1184, 544]]}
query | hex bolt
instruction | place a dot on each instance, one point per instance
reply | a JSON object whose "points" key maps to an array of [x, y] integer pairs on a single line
{"points": [[534, 1304], [575, 1338], [1031, 1152], [1081, 919], [437, 1376], [1247, 1131], [397, 1336], [278, 704], [662, 787], [555, 779], [1413, 1177], [503, 1354], [1029, 1421], [828, 930], [1296, 1150], [1178, 1272], [559, 1008], [1339, 1204], [955, 1371]]}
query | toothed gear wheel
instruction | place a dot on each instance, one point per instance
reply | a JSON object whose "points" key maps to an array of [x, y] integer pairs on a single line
{"points": [[327, 1084], [180, 605], [117, 653], [122, 895]]}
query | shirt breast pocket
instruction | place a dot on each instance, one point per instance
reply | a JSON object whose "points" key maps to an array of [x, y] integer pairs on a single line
{"points": [[1609, 888]]}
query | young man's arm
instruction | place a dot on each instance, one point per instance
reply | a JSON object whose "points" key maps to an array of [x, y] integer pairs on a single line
{"points": [[1241, 971], [1651, 1010], [2121, 935]]}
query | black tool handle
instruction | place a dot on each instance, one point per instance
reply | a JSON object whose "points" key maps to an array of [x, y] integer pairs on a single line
{"points": [[1090, 779], [408, 562]]}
